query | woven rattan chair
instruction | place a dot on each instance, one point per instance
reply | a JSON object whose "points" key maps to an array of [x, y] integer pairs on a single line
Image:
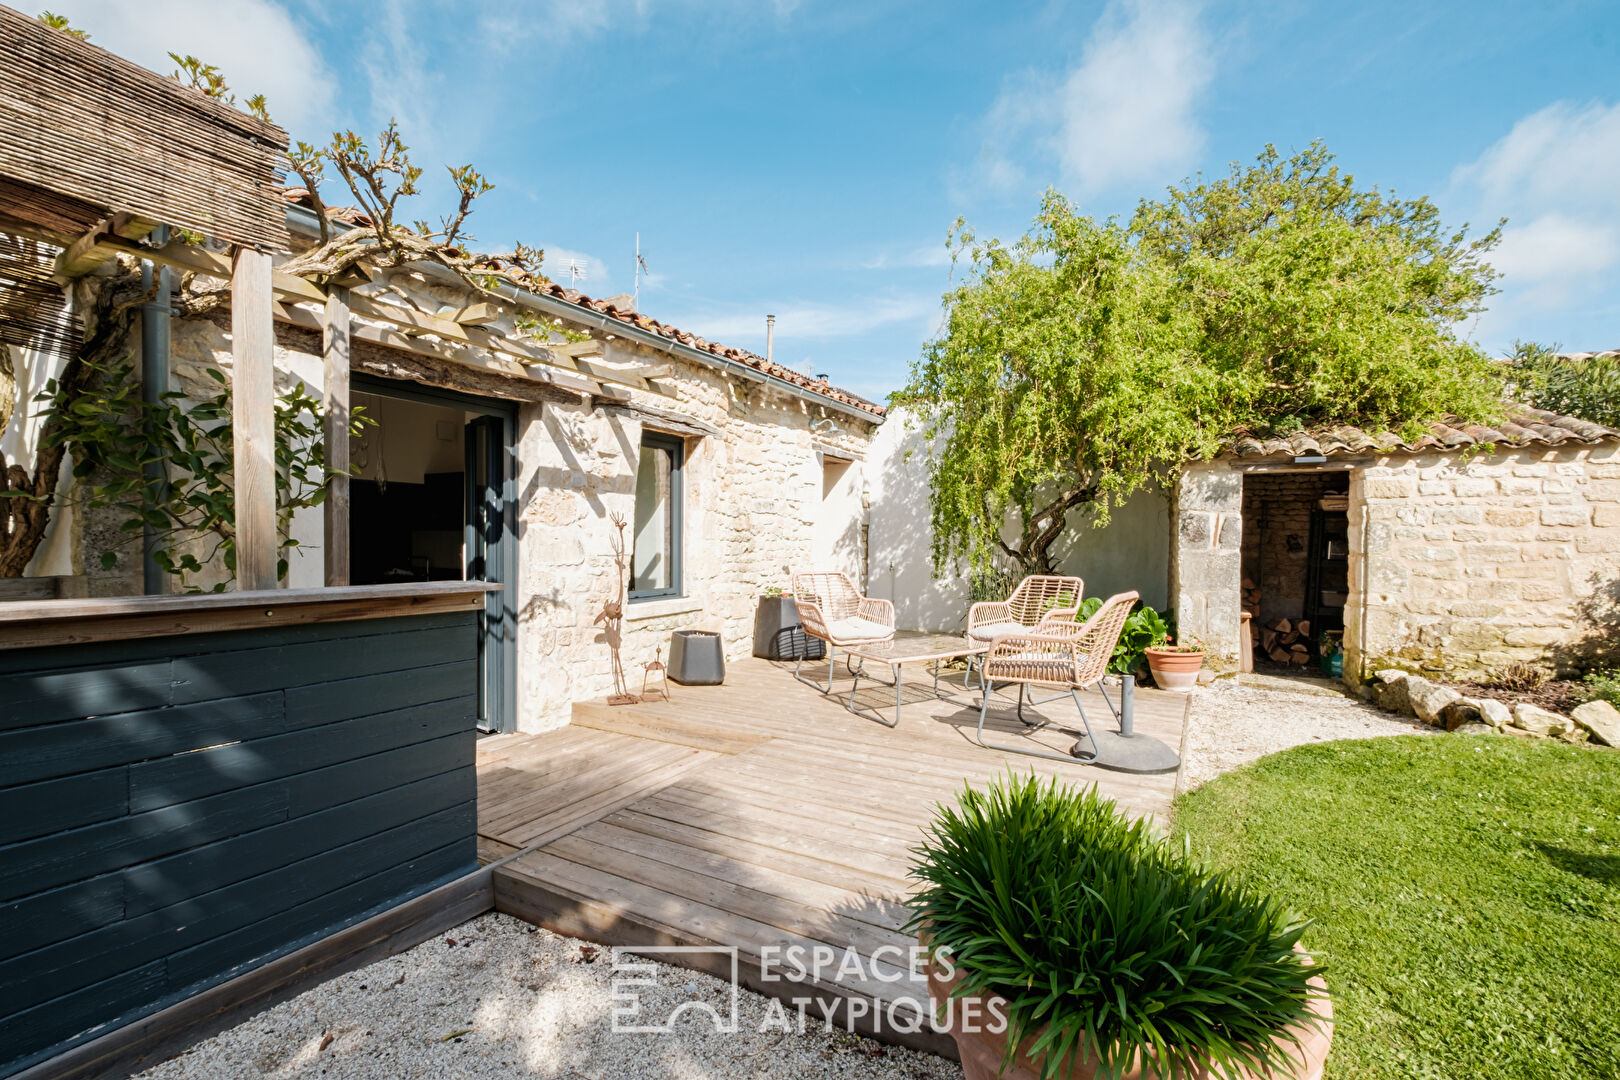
{"points": [[833, 610], [1036, 597], [1058, 652]]}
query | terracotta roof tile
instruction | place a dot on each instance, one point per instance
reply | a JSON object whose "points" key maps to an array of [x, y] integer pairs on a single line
{"points": [[351, 216], [1522, 426]]}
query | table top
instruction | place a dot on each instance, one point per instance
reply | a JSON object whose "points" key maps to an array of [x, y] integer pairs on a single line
{"points": [[918, 648]]}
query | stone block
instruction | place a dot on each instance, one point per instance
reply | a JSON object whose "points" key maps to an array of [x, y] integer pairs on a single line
{"points": [[1513, 485], [1494, 713], [1601, 544], [1430, 554], [1457, 515], [1509, 519], [1393, 697], [1535, 635], [1539, 721], [1231, 535], [1536, 592], [1493, 590], [1600, 719], [1606, 517], [1388, 487], [1461, 711], [1468, 487], [1565, 515], [1196, 527], [1428, 699], [1211, 487], [1603, 490]]}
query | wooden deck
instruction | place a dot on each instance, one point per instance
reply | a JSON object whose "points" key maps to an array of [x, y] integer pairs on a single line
{"points": [[760, 814]]}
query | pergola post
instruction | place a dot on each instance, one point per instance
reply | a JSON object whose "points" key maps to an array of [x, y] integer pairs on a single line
{"points": [[335, 352], [253, 423]]}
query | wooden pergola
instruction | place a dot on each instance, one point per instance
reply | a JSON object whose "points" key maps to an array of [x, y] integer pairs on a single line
{"points": [[97, 152]]}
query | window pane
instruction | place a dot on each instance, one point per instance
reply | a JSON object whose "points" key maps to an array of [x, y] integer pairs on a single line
{"points": [[653, 559]]}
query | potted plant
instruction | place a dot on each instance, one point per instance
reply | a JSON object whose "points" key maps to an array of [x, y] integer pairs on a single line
{"points": [[1332, 649], [1064, 941], [1142, 629], [778, 634], [1175, 665]]}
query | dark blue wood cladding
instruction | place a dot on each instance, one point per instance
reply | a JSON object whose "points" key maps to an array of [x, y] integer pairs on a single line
{"points": [[176, 810]]}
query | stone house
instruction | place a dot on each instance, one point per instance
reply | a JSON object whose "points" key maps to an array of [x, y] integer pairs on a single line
{"points": [[730, 471], [1453, 553]]}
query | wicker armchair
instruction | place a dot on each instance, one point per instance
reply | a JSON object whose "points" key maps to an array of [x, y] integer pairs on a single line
{"points": [[1058, 652], [833, 610], [1037, 597]]}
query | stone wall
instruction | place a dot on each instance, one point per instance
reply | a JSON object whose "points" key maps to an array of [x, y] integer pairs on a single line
{"points": [[1469, 562], [753, 493], [1206, 558]]}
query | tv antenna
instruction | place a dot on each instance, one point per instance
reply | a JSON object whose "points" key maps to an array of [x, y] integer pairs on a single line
{"points": [[576, 272], [640, 268]]}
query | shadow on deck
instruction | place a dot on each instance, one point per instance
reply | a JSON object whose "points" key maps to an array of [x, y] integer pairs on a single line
{"points": [[760, 815]]}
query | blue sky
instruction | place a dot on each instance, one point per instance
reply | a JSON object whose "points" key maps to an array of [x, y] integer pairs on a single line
{"points": [[806, 159]]}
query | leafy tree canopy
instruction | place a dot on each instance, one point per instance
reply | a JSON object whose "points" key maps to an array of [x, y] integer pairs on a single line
{"points": [[1588, 388], [1079, 364]]}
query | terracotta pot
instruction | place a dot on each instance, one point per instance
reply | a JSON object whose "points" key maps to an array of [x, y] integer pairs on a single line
{"points": [[1174, 670], [982, 1051]]}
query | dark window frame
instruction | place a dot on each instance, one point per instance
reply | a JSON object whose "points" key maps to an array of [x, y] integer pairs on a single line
{"points": [[676, 448]]}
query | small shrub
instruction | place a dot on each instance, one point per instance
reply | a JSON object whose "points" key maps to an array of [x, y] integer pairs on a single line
{"points": [[1515, 676], [1604, 686], [1109, 938], [772, 592]]}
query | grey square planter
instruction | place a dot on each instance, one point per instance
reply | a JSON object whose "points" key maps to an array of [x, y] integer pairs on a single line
{"points": [[696, 659], [778, 635]]}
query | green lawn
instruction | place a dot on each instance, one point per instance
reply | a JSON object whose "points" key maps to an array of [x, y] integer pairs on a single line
{"points": [[1465, 892]]}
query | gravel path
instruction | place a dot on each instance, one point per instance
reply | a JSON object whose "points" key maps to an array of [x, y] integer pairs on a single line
{"points": [[1232, 724], [496, 997]]}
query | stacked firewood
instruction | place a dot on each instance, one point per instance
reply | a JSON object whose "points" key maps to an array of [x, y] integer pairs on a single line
{"points": [[1284, 641]]}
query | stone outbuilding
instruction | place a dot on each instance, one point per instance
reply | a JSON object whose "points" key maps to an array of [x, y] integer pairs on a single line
{"points": [[1454, 553]]}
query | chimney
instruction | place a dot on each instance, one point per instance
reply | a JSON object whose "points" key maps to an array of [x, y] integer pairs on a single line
{"points": [[770, 335]]}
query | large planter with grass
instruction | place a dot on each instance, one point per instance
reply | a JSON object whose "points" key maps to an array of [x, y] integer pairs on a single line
{"points": [[983, 1051], [1066, 942], [1175, 669]]}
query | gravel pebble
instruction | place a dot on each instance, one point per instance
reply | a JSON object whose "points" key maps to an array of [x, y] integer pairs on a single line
{"points": [[496, 997], [1232, 725]]}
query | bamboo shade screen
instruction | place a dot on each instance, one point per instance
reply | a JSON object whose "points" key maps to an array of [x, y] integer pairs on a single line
{"points": [[34, 310], [77, 120]]}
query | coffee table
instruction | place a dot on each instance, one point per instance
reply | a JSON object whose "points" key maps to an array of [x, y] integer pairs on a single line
{"points": [[933, 649]]}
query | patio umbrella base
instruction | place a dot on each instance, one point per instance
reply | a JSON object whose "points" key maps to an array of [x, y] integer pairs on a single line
{"points": [[1130, 753]]}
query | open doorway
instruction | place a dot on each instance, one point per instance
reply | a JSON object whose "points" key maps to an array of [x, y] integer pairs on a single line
{"points": [[432, 498], [1295, 567]]}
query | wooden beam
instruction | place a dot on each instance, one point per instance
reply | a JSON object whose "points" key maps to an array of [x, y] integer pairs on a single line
{"points": [[100, 244], [477, 314], [335, 358], [253, 420], [588, 347]]}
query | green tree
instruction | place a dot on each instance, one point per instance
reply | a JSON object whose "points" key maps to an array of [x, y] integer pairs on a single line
{"points": [[1588, 388], [1087, 360]]}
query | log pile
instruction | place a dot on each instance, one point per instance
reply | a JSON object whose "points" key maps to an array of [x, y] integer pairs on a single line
{"points": [[1283, 641]]}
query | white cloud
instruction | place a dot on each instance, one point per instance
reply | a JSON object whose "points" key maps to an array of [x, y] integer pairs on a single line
{"points": [[1553, 177], [1125, 114], [255, 43]]}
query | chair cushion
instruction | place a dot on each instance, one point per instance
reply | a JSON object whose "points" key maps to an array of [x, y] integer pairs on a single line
{"points": [[990, 631], [858, 629]]}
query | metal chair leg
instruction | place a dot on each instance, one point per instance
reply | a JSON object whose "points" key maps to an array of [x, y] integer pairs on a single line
{"points": [[799, 663], [1052, 755]]}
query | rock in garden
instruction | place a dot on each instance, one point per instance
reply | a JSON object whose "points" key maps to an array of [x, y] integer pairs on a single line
{"points": [[1428, 698], [1538, 721], [1495, 713], [1393, 697], [1390, 675], [1462, 711], [1473, 727], [1601, 719]]}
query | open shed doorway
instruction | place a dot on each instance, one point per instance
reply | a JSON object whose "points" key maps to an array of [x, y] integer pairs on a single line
{"points": [[1295, 567], [433, 498]]}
